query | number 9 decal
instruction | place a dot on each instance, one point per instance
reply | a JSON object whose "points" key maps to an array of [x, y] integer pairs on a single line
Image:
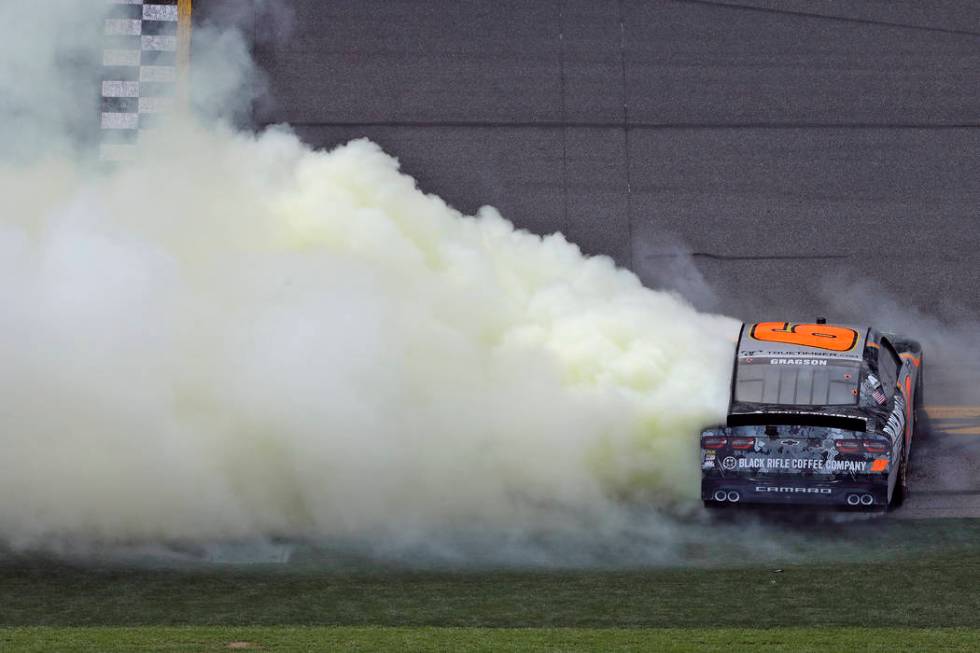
{"points": [[819, 336]]}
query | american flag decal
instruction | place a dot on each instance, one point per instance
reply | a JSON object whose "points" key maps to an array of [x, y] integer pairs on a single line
{"points": [[878, 394]]}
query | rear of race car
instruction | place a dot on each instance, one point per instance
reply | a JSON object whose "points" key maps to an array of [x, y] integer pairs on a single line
{"points": [[792, 464]]}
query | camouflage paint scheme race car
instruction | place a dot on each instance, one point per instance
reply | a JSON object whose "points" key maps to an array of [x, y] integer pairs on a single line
{"points": [[820, 415]]}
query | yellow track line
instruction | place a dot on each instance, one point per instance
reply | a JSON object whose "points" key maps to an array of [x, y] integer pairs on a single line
{"points": [[953, 412], [955, 420], [184, 8]]}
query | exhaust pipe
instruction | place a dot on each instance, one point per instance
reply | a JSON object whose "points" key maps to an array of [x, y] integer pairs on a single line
{"points": [[853, 499], [734, 496], [720, 495], [867, 500]]}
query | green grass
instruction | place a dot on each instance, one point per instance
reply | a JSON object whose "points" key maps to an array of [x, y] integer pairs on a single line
{"points": [[198, 639], [870, 587], [202, 639], [928, 591]]}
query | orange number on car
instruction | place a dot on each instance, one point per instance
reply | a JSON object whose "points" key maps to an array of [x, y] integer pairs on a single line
{"points": [[820, 336]]}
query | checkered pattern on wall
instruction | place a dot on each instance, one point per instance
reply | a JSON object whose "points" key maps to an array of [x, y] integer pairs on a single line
{"points": [[140, 70]]}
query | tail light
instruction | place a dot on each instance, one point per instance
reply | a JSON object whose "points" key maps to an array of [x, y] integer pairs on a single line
{"points": [[861, 446], [848, 446], [743, 443], [875, 446], [713, 441]]}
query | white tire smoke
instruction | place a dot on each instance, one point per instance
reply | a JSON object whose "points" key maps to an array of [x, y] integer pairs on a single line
{"points": [[236, 336], [240, 336]]}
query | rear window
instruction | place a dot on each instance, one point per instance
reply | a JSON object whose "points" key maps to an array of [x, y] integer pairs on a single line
{"points": [[804, 381]]}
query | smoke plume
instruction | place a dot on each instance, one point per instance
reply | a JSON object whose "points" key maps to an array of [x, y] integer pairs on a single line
{"points": [[237, 336]]}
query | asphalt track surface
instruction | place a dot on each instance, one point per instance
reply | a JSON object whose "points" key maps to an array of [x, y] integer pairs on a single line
{"points": [[767, 159]]}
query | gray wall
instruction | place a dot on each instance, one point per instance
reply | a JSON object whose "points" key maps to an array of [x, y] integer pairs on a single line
{"points": [[797, 149]]}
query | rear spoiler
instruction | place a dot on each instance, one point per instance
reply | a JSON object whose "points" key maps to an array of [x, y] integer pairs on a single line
{"points": [[798, 419]]}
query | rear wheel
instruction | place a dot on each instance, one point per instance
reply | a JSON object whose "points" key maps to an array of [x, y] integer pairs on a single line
{"points": [[921, 420], [901, 491]]}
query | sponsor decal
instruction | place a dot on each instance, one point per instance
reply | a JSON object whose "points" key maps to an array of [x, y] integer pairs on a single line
{"points": [[793, 490], [813, 464], [798, 361], [789, 443], [709, 460], [729, 462], [895, 425]]}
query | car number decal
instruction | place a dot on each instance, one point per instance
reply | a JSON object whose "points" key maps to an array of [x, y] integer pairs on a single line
{"points": [[818, 336]]}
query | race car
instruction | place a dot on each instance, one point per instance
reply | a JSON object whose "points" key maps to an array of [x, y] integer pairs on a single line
{"points": [[820, 415]]}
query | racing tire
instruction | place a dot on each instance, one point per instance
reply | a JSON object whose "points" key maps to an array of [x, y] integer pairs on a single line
{"points": [[921, 424], [720, 513], [901, 491], [720, 510]]}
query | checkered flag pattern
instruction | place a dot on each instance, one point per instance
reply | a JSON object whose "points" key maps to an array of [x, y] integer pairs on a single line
{"points": [[140, 71]]}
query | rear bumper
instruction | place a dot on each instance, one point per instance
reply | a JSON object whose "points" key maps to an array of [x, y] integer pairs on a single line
{"points": [[848, 493]]}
